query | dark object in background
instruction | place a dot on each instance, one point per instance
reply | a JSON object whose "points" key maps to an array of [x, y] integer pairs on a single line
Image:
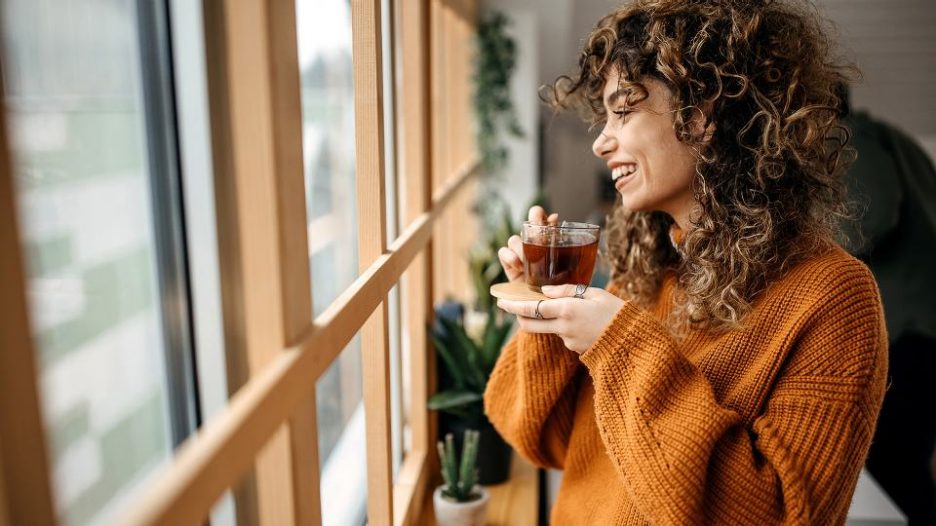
{"points": [[896, 237], [494, 453], [903, 442], [463, 371]]}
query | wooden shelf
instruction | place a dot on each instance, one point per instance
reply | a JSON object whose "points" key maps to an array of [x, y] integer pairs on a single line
{"points": [[513, 503]]}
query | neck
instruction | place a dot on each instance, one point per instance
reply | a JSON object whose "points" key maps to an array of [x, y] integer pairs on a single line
{"points": [[682, 216]]}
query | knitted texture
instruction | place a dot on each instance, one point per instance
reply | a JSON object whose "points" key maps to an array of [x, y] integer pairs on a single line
{"points": [[767, 424]]}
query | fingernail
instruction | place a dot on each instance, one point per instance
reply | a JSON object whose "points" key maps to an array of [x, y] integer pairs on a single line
{"points": [[547, 288]]}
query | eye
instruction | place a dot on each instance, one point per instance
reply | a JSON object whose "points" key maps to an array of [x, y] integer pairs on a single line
{"points": [[622, 113]]}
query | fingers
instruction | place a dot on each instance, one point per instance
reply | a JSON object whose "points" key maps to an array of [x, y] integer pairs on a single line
{"points": [[516, 245], [564, 291], [526, 316], [537, 216], [511, 258], [513, 265], [559, 291], [524, 309], [535, 326], [548, 309]]}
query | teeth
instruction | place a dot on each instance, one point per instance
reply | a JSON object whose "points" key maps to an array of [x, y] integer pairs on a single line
{"points": [[621, 171]]}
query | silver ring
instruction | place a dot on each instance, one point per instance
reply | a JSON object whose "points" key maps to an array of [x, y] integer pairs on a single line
{"points": [[580, 291], [536, 312]]}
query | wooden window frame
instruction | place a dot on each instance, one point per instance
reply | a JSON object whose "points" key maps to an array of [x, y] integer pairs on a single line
{"points": [[25, 486], [267, 434]]}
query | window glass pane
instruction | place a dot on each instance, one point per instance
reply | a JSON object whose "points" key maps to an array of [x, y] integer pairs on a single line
{"points": [[397, 413], [342, 446], [324, 39], [74, 100]]}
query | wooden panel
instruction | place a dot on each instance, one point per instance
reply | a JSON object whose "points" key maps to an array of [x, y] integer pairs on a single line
{"points": [[439, 111], [409, 490], [303, 426], [460, 215], [25, 466], [211, 461], [516, 501], [415, 165], [463, 9], [295, 278], [4, 509], [260, 176], [237, 367], [372, 240], [457, 231]]}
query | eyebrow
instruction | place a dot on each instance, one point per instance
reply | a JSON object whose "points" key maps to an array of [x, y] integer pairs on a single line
{"points": [[612, 98]]}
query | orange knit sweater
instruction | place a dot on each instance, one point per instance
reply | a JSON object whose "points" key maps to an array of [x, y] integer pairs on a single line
{"points": [[767, 424]]}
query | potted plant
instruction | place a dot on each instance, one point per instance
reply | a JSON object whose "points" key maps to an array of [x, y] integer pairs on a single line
{"points": [[465, 366], [460, 501], [468, 343]]}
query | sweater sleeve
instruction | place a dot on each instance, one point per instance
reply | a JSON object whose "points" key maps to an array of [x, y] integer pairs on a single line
{"points": [[686, 459], [530, 397]]}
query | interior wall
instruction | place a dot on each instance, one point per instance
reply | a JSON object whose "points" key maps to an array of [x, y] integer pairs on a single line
{"points": [[520, 181], [540, 31], [894, 45]]}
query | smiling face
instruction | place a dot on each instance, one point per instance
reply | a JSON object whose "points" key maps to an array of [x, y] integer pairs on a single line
{"points": [[651, 168]]}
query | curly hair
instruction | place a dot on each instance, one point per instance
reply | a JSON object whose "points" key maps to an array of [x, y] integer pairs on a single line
{"points": [[768, 181]]}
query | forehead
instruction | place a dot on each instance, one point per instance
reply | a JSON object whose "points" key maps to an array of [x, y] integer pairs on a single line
{"points": [[611, 87], [616, 89]]}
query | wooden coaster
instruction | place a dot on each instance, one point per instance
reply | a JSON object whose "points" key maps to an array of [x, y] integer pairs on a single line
{"points": [[517, 292]]}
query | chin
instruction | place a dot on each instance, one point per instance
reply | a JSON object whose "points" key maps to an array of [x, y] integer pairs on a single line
{"points": [[634, 204]]}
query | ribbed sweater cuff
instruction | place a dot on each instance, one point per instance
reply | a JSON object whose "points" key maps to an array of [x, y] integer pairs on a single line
{"points": [[543, 351], [630, 330]]}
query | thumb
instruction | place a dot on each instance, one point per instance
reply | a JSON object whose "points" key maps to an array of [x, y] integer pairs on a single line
{"points": [[558, 291]]}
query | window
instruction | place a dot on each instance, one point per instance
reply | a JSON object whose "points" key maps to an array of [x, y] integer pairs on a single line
{"points": [[328, 144], [92, 141], [90, 200]]}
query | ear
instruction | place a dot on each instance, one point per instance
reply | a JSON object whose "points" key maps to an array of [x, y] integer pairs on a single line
{"points": [[709, 132], [703, 123]]}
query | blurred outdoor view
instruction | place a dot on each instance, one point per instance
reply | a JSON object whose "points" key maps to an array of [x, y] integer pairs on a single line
{"points": [[73, 95], [328, 144]]}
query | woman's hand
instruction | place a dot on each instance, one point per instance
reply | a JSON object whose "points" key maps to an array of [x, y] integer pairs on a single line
{"points": [[511, 256], [579, 322]]}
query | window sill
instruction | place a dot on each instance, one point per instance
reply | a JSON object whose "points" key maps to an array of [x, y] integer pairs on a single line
{"points": [[514, 503]]}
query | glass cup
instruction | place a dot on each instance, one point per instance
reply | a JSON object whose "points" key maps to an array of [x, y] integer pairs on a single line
{"points": [[555, 255]]}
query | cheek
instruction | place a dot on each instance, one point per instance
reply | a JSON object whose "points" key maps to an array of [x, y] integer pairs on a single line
{"points": [[673, 164]]}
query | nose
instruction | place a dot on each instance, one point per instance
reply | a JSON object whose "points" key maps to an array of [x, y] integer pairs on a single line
{"points": [[603, 145]]}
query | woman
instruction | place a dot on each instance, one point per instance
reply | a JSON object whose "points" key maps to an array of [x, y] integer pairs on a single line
{"points": [[734, 369]]}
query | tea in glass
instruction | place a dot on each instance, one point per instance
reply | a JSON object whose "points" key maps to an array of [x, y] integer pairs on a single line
{"points": [[555, 255]]}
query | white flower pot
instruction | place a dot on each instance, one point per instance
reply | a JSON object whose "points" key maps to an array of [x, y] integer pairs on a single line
{"points": [[450, 513]]}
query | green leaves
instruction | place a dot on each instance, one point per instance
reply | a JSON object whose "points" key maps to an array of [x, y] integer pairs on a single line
{"points": [[468, 364], [459, 477], [495, 62], [494, 338], [455, 402]]}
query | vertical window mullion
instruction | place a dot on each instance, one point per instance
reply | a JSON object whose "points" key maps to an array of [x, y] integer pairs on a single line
{"points": [[24, 462], [166, 195], [372, 242]]}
